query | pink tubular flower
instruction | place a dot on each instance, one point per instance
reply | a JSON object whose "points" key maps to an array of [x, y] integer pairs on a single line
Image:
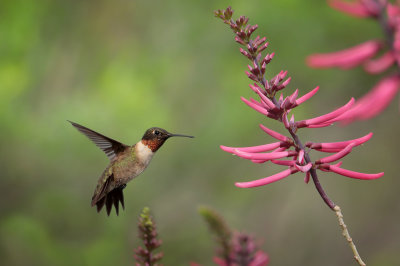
{"points": [[374, 101], [235, 249], [336, 156], [336, 146], [357, 8], [264, 156], [260, 148], [347, 58], [267, 180], [260, 259], [388, 16], [353, 174], [289, 151], [323, 120], [378, 65]]}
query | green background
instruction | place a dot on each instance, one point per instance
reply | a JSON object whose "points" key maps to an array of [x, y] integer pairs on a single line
{"points": [[120, 67]]}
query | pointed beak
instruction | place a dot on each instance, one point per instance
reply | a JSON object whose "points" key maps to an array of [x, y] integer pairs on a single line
{"points": [[179, 135]]}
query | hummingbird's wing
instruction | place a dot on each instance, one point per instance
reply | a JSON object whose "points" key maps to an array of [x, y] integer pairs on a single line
{"points": [[109, 146]]}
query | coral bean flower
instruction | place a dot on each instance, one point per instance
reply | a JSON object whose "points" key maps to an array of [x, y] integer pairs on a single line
{"points": [[366, 55]]}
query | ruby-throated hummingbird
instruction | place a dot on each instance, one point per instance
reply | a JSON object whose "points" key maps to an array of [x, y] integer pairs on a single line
{"points": [[126, 163]]}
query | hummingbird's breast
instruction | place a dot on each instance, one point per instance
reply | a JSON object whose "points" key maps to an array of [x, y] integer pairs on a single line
{"points": [[132, 163]]}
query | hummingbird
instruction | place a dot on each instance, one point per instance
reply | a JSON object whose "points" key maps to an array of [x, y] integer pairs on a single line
{"points": [[126, 163]]}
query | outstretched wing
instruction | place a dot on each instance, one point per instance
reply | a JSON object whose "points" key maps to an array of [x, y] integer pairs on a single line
{"points": [[109, 146]]}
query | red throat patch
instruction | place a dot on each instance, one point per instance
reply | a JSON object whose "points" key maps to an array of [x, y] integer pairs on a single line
{"points": [[153, 145]]}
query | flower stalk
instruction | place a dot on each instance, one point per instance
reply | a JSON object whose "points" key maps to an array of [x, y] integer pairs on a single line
{"points": [[235, 248], [145, 256], [294, 154]]}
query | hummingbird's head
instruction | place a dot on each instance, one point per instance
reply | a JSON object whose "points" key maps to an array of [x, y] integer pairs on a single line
{"points": [[155, 137]]}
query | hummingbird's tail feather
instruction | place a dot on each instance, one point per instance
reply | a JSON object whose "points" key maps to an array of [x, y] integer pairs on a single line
{"points": [[100, 204], [114, 197]]}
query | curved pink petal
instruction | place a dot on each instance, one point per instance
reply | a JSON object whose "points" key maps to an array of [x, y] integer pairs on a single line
{"points": [[219, 261], [353, 174], [260, 259], [321, 120], [259, 161], [337, 146], [347, 58], [275, 134], [300, 158], [264, 156], [380, 64], [392, 10], [264, 98], [303, 168], [374, 101], [325, 167], [255, 106], [336, 156], [354, 8], [307, 96], [266, 180], [284, 162], [259, 148], [320, 125], [307, 177]]}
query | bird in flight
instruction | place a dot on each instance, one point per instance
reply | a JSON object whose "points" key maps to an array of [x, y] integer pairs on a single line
{"points": [[126, 163]]}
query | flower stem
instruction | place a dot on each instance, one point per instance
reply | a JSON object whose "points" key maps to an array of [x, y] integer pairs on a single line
{"points": [[346, 235], [313, 173], [383, 21]]}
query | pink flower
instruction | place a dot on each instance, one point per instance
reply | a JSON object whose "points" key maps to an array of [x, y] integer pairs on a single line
{"points": [[323, 120], [260, 259], [267, 180], [357, 8], [378, 65], [288, 151], [347, 58], [374, 102], [352, 174], [336, 146]]}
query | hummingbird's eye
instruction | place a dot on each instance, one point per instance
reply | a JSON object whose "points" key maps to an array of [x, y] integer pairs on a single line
{"points": [[156, 132]]}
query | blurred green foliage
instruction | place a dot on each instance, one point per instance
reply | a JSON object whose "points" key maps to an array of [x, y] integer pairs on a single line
{"points": [[120, 67]]}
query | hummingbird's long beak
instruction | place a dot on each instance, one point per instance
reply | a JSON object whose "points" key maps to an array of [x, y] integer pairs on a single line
{"points": [[179, 135]]}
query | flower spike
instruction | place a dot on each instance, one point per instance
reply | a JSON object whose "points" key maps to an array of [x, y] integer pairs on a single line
{"points": [[279, 108]]}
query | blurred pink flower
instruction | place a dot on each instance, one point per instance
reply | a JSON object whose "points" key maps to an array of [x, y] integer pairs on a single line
{"points": [[347, 58], [357, 8], [388, 15], [244, 252], [234, 248], [374, 101]]}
